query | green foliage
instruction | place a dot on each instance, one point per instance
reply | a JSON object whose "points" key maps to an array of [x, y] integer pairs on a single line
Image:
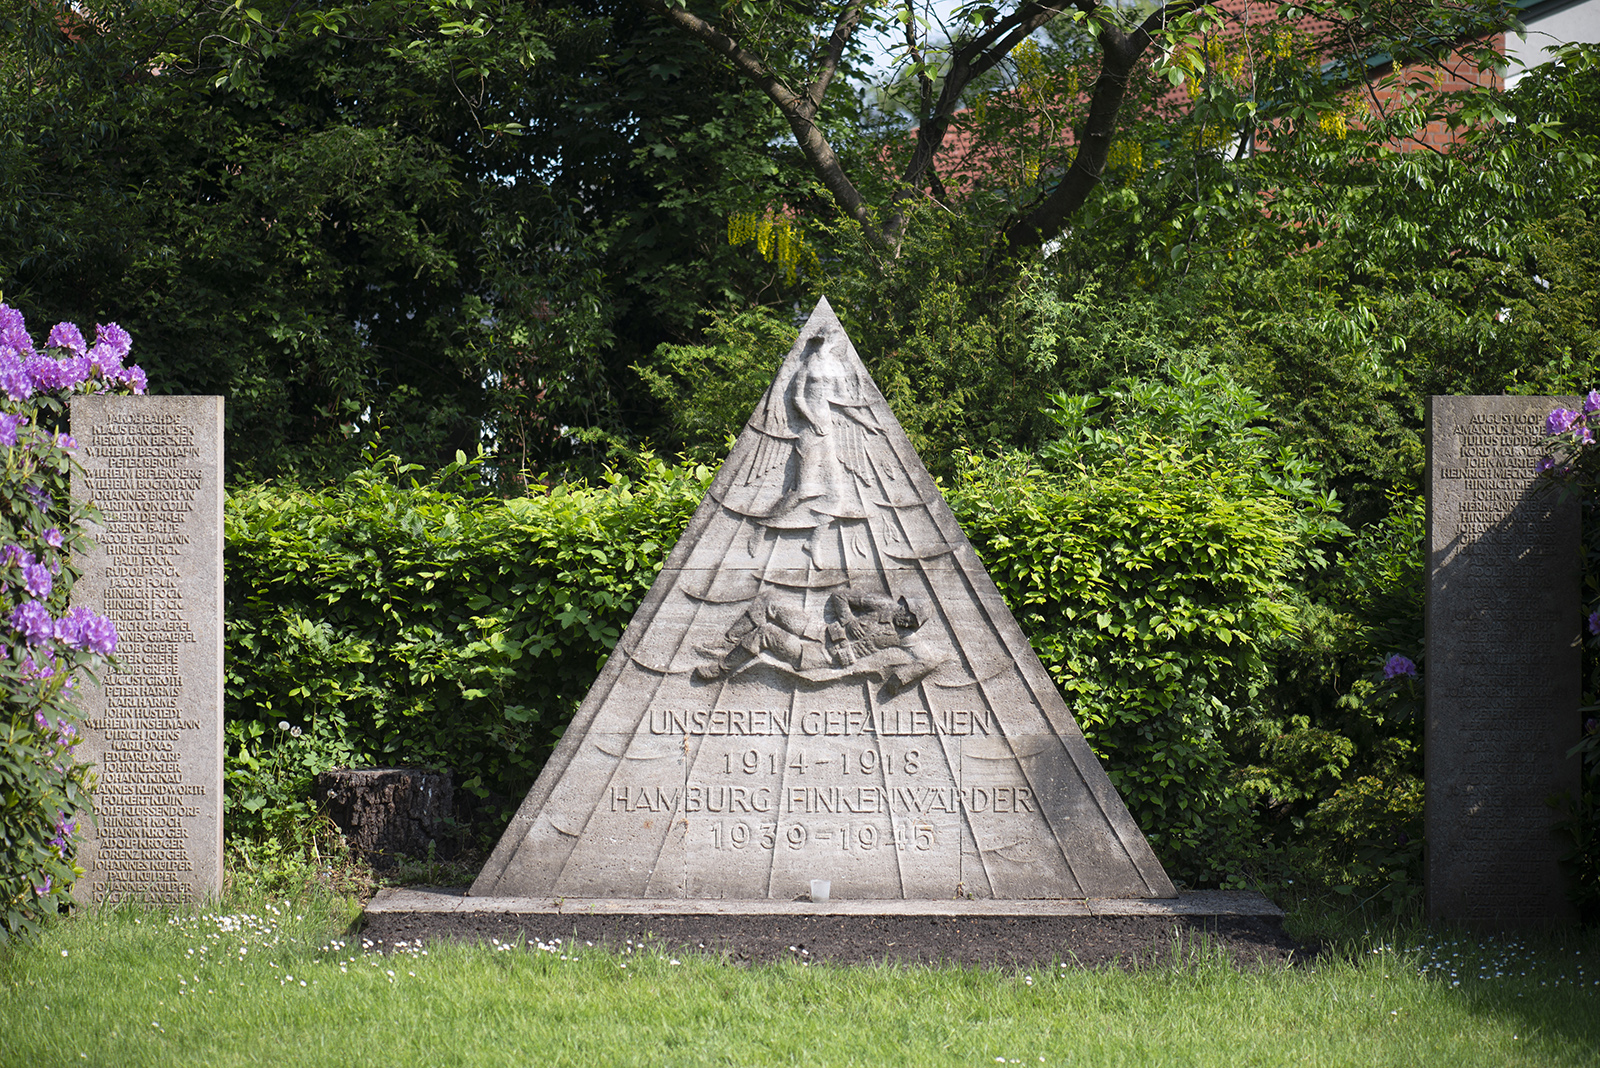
{"points": [[391, 621], [1152, 568], [965, 351], [439, 222], [710, 390], [44, 788], [1337, 768]]}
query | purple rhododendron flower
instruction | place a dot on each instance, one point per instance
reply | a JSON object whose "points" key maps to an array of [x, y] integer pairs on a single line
{"points": [[14, 332], [1560, 421], [44, 669], [36, 580], [1585, 435], [1398, 665], [134, 376], [32, 620], [45, 889], [65, 441], [100, 635], [104, 361], [49, 374], [66, 830], [8, 428], [15, 381], [52, 537], [114, 339], [69, 628], [1591, 403], [79, 369], [1594, 621], [82, 628], [67, 336]]}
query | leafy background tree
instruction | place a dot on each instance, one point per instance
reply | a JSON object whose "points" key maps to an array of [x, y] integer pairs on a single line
{"points": [[437, 223]]}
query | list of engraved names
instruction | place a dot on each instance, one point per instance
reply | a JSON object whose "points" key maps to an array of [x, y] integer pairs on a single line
{"points": [[1502, 626], [157, 809]]}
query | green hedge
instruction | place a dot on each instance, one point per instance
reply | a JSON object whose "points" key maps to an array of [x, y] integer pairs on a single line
{"points": [[1153, 590], [385, 621]]}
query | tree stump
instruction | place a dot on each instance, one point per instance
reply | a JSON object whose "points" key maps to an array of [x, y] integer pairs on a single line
{"points": [[384, 812]]}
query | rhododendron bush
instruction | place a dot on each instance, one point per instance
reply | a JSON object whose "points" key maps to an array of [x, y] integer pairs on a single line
{"points": [[46, 647]]}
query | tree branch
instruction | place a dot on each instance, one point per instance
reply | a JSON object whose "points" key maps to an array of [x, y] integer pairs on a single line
{"points": [[969, 61], [798, 109], [843, 30], [1120, 53], [924, 83]]}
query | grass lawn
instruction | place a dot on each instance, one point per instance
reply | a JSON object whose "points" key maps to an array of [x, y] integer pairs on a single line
{"points": [[263, 981]]}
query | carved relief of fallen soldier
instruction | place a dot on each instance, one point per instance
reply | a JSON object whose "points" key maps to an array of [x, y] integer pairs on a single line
{"points": [[869, 635]]}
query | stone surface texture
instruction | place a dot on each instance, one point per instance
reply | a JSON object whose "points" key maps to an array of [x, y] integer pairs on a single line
{"points": [[1194, 903], [894, 934], [384, 812], [153, 466], [823, 683], [1504, 621]]}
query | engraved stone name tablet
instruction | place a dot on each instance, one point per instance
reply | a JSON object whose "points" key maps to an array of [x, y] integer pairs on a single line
{"points": [[823, 684], [1503, 662], [153, 466]]}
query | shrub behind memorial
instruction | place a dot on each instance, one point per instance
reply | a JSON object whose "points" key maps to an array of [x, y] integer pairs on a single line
{"points": [[1150, 552], [386, 621]]}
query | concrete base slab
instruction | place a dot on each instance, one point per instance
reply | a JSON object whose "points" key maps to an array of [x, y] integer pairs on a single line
{"points": [[426, 899]]}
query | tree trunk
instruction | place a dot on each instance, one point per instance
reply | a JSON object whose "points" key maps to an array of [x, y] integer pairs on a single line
{"points": [[385, 812]]}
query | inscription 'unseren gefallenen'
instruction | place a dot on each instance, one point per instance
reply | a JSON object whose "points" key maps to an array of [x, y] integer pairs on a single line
{"points": [[144, 805], [826, 722]]}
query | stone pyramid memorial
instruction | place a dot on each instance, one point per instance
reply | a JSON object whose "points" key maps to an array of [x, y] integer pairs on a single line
{"points": [[823, 683]]}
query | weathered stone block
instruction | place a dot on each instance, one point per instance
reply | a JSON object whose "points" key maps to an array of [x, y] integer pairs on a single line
{"points": [[153, 466], [1504, 621]]}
